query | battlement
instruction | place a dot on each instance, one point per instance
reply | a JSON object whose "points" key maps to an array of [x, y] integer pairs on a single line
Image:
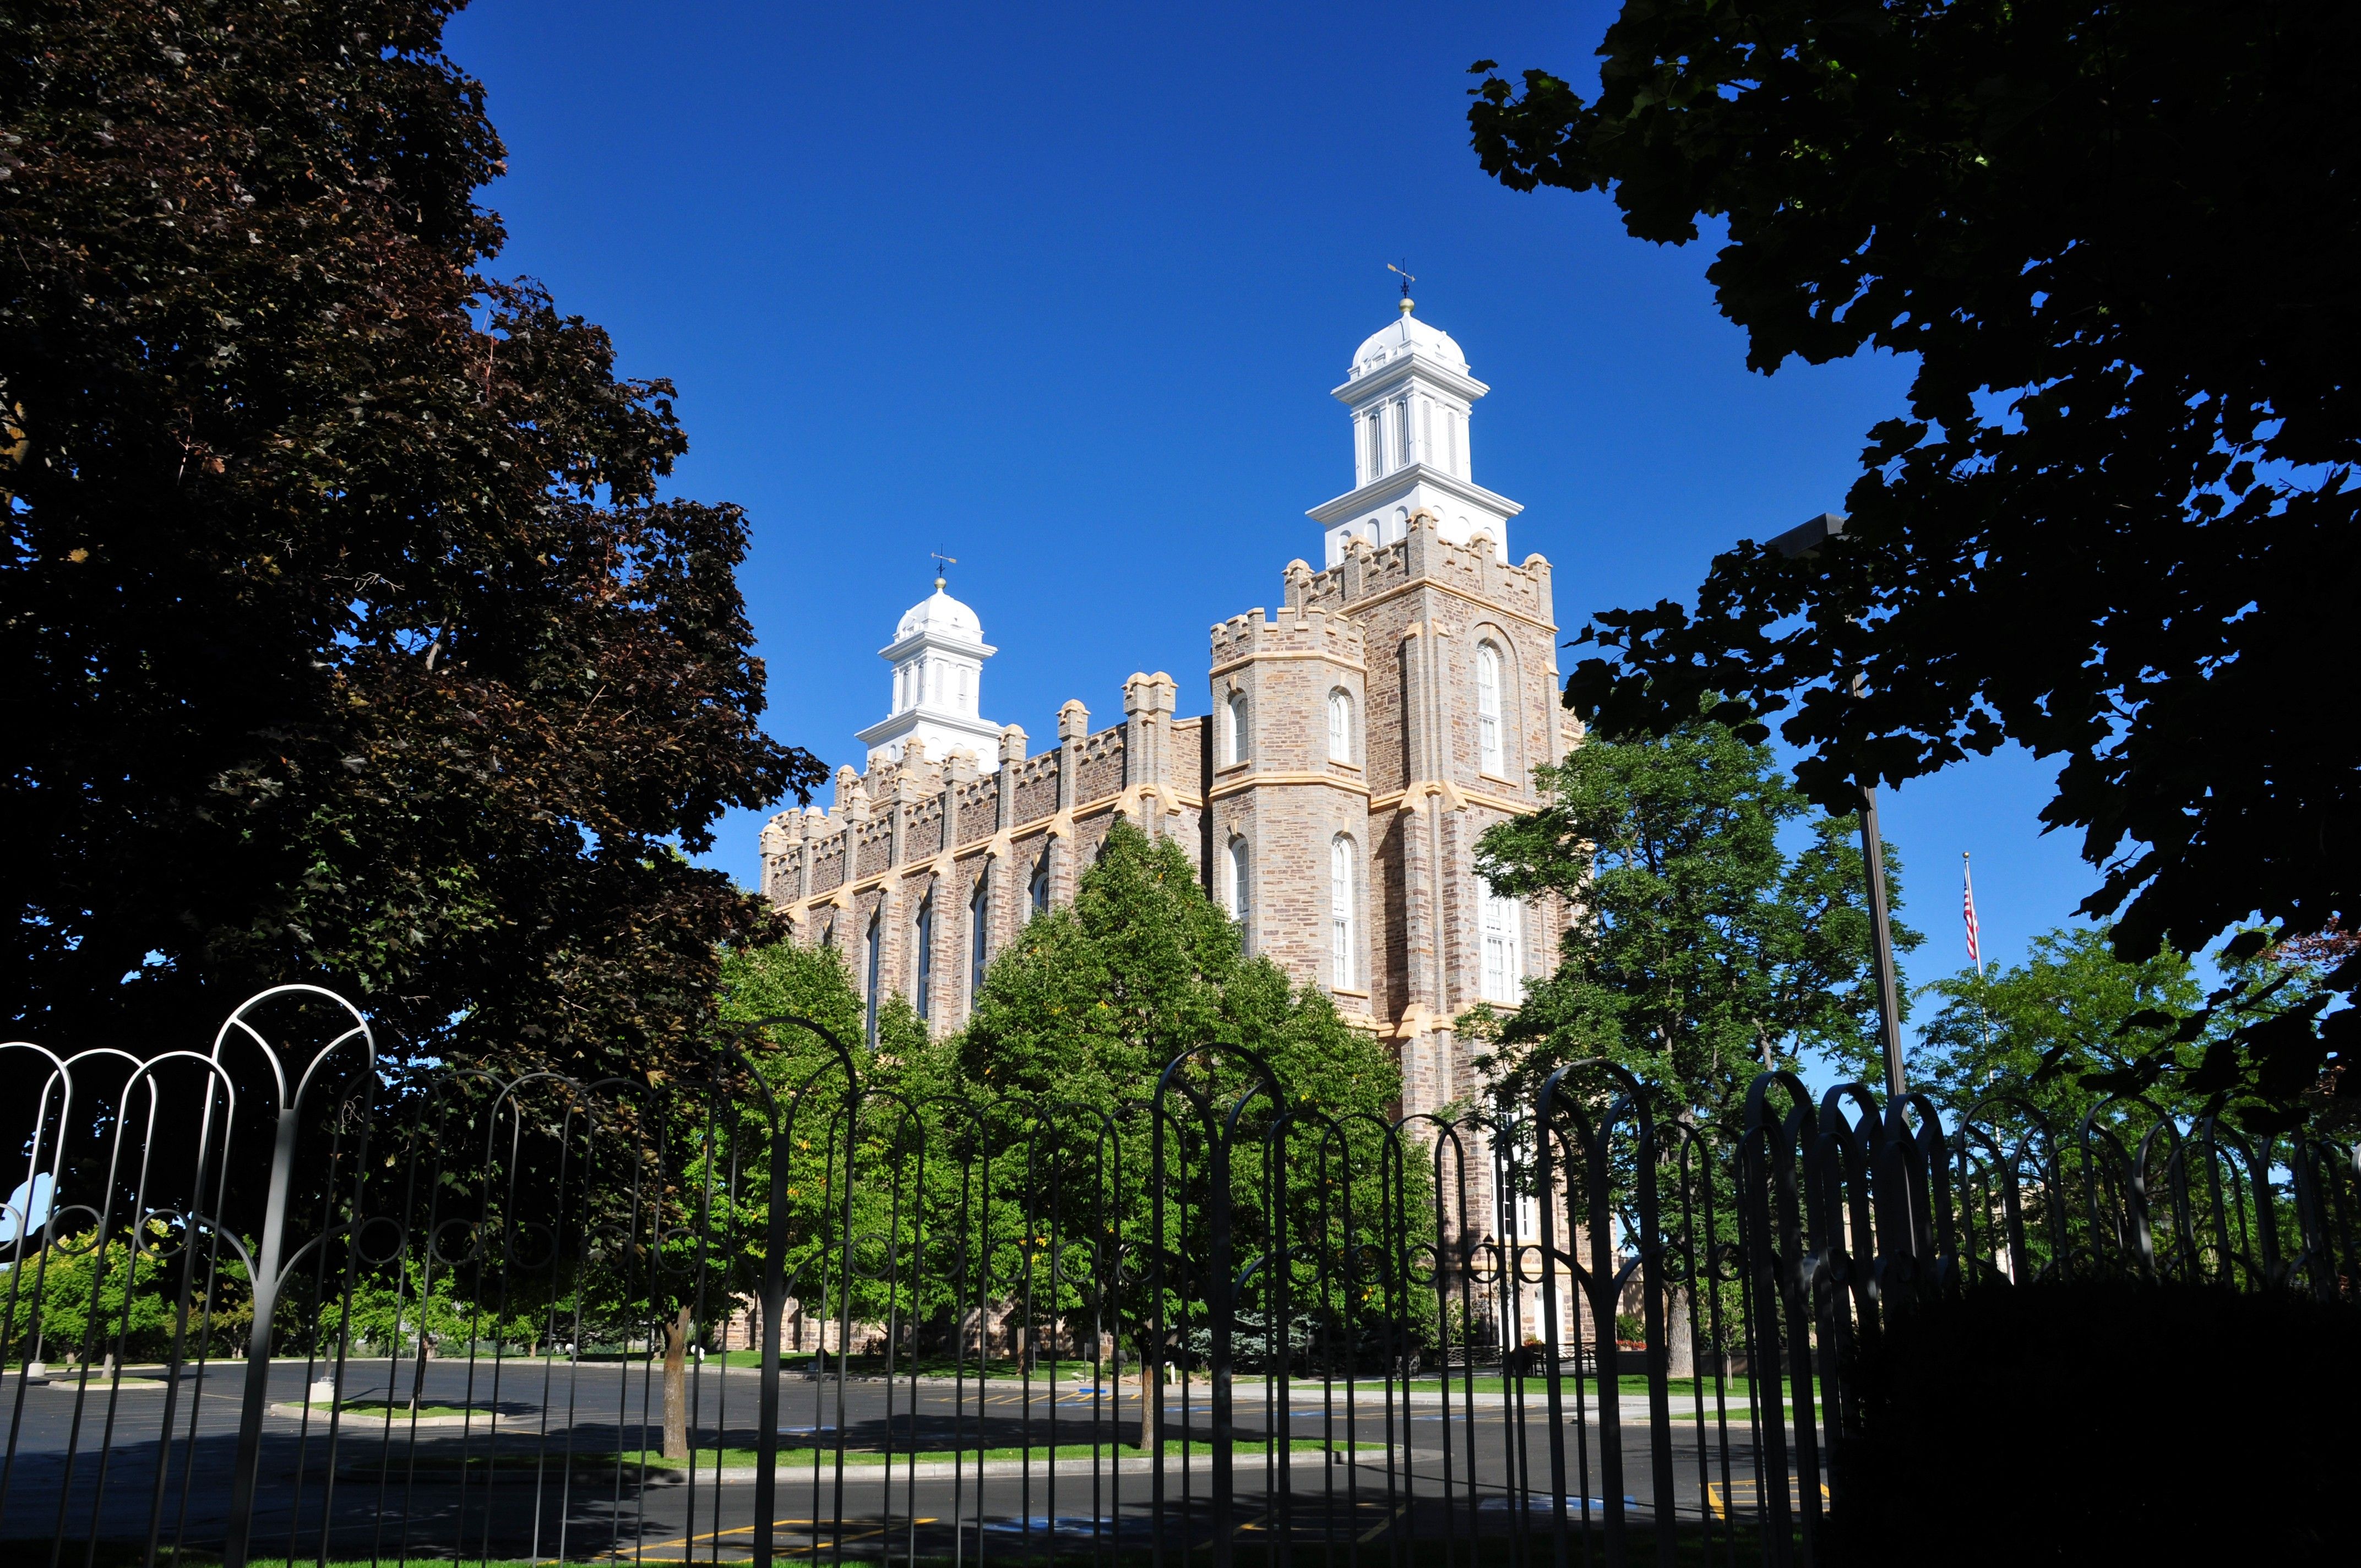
{"points": [[1422, 554], [1297, 631]]}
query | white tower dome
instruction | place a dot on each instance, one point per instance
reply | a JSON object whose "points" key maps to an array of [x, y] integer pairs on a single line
{"points": [[1403, 335], [1410, 396], [937, 654], [941, 614]]}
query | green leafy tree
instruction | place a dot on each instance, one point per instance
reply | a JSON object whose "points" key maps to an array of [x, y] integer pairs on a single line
{"points": [[2118, 515], [1083, 1012], [2050, 1057], [2070, 1012], [781, 979], [351, 639], [74, 1298], [1700, 950]]}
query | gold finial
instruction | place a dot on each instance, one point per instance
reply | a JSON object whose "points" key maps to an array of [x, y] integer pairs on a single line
{"points": [[1407, 279]]}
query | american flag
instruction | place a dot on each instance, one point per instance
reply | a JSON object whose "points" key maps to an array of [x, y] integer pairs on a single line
{"points": [[1967, 908]]}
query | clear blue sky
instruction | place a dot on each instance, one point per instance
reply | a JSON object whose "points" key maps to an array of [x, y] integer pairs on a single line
{"points": [[1062, 291]]}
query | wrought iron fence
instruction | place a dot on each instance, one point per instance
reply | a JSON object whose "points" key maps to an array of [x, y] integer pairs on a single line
{"points": [[280, 1300]]}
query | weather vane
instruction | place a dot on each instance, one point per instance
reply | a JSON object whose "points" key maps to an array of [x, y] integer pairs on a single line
{"points": [[941, 560], [1403, 274]]}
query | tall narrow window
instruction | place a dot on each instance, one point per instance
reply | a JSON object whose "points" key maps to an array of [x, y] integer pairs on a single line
{"points": [[1041, 882], [873, 965], [1340, 913], [963, 688], [828, 932], [1503, 923], [1340, 726], [925, 946], [1488, 708], [979, 935], [1241, 880], [1239, 731]]}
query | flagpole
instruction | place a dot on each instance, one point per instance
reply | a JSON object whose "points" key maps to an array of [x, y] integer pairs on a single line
{"points": [[1976, 952]]}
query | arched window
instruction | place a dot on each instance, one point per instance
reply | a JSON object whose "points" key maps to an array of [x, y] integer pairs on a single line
{"points": [[979, 934], [925, 950], [828, 932], [1238, 729], [1503, 920], [872, 964], [1340, 726], [1488, 710], [1041, 879], [1340, 913], [1241, 882]]}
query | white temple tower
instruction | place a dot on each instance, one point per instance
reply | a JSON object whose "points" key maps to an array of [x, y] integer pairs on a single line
{"points": [[1410, 396], [937, 654]]}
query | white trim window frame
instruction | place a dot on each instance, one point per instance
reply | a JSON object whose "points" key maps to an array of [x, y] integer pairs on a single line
{"points": [[1491, 754], [1341, 968], [1502, 921]]}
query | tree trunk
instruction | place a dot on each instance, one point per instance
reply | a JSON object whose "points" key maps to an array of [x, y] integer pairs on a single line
{"points": [[1147, 1397], [418, 1375], [676, 1414], [1680, 1344]]}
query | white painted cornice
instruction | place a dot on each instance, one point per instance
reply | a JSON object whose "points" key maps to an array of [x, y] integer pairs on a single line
{"points": [[1377, 492], [918, 641], [1378, 382]]}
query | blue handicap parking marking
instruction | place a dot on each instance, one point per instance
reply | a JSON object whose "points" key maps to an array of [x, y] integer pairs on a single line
{"points": [[1069, 1524]]}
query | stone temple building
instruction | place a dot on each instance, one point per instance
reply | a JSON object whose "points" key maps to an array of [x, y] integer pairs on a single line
{"points": [[1351, 749]]}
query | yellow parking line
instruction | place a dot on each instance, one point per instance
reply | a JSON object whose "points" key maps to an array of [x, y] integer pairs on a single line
{"points": [[1748, 1492], [715, 1535], [1382, 1526]]}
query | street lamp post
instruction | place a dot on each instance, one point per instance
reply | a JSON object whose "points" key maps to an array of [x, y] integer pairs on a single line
{"points": [[1802, 542]]}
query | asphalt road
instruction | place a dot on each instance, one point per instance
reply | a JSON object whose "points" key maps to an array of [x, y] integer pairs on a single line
{"points": [[532, 1470]]}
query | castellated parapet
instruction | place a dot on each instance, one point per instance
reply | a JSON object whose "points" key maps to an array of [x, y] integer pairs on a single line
{"points": [[1423, 556], [913, 828], [1300, 629]]}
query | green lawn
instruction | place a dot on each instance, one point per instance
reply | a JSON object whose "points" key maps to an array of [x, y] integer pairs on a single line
{"points": [[1084, 1373], [794, 1362], [1683, 1389]]}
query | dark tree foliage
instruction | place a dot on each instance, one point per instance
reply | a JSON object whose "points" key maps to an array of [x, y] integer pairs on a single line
{"points": [[347, 639], [2116, 524]]}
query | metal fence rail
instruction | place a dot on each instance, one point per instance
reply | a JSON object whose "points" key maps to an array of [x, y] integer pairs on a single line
{"points": [[279, 1301]]}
